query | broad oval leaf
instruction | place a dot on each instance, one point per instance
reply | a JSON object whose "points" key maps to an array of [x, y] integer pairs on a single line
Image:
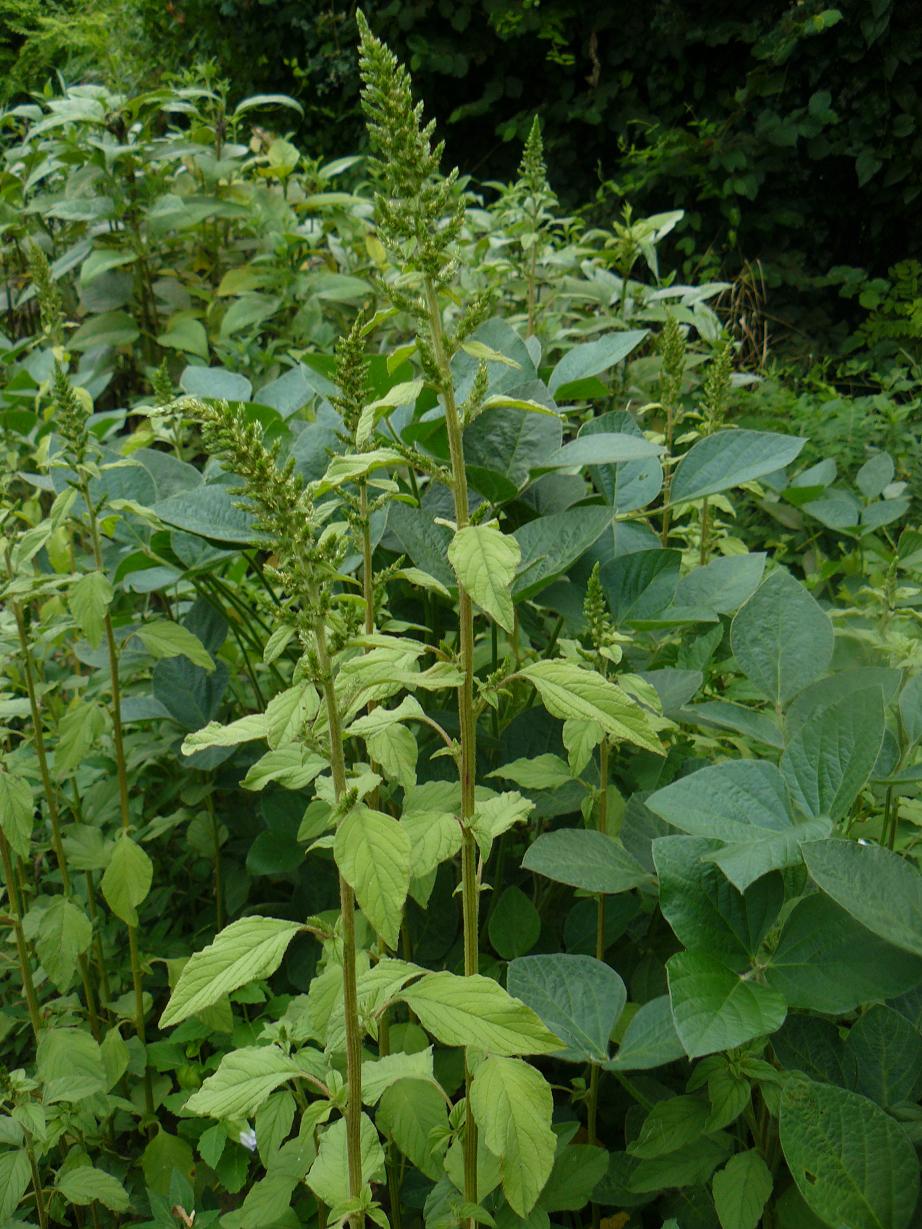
{"points": [[578, 997], [585, 859], [728, 458], [852, 1163], [715, 1009]]}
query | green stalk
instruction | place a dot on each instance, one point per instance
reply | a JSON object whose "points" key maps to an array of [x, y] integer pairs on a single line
{"points": [[51, 801], [592, 1115], [122, 773], [22, 950], [705, 528], [37, 1187], [470, 888], [347, 908]]}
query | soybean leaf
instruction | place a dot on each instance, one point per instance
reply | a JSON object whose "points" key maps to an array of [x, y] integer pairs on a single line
{"points": [[878, 888], [650, 1039], [602, 449], [825, 961], [476, 1011], [578, 1169], [723, 584], [584, 859], [741, 1191], [828, 761], [551, 544], [781, 638], [248, 949], [578, 997], [513, 1104], [729, 458], [591, 358], [715, 1009], [887, 1051], [707, 912], [852, 1163]]}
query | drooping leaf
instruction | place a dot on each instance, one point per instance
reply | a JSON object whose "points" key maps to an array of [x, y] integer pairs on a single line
{"points": [[17, 812], [127, 879], [248, 949], [485, 561], [412, 1113], [88, 601], [328, 1177], [64, 933], [513, 1105], [164, 638], [372, 852]]}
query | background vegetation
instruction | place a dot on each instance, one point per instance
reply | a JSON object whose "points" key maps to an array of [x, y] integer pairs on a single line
{"points": [[460, 708]]}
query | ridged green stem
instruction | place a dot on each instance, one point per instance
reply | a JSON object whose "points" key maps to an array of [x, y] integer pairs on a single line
{"points": [[347, 909], [470, 888], [22, 949]]}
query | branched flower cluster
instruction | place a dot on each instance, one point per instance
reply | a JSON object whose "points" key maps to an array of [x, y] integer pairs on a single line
{"points": [[595, 611], [418, 210], [672, 349], [70, 418], [283, 507], [715, 393], [352, 379], [48, 295]]}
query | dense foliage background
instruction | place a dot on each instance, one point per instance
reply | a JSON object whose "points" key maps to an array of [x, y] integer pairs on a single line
{"points": [[460, 657]]}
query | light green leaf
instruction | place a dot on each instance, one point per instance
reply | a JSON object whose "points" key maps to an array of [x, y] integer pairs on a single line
{"points": [[400, 394], [164, 638], [485, 562], [115, 328], [17, 812], [781, 638], [715, 1009], [15, 1176], [513, 1105], [410, 1113], [351, 466], [741, 1191], [484, 353], [288, 712], [568, 690], [88, 601], [84, 1185], [127, 879], [64, 933], [578, 998], [545, 771], [70, 1064], [187, 334], [372, 852], [381, 1073], [829, 759], [246, 950], [243, 730], [294, 766], [585, 859], [78, 730], [878, 888], [477, 1011], [434, 837], [242, 1082], [394, 752], [328, 1176], [853, 1164], [729, 458]]}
